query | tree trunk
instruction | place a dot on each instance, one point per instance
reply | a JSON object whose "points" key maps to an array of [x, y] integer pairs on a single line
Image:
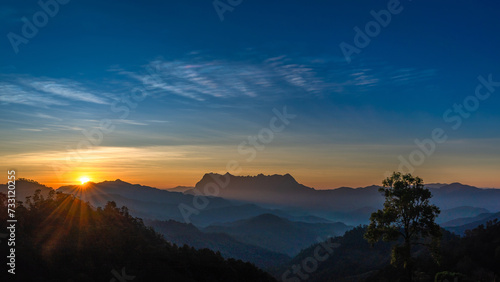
{"points": [[408, 261]]}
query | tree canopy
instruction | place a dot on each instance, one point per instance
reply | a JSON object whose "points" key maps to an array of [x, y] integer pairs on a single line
{"points": [[407, 216], [61, 238]]}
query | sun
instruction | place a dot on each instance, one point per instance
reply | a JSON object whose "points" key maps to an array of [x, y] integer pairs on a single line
{"points": [[84, 179]]}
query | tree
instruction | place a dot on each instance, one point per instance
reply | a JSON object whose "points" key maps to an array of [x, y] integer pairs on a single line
{"points": [[407, 214]]}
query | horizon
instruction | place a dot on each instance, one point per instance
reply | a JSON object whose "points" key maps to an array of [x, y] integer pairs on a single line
{"points": [[155, 100], [94, 181]]}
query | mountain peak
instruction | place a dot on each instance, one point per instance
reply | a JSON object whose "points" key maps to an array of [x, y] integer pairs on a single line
{"points": [[287, 178], [259, 188], [458, 186]]}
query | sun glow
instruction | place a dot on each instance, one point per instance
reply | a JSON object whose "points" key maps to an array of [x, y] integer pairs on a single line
{"points": [[84, 179]]}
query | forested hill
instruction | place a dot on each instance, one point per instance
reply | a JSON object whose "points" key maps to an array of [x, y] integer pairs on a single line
{"points": [[61, 238], [474, 257]]}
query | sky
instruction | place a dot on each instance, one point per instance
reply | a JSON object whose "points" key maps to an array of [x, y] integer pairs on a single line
{"points": [[336, 93]]}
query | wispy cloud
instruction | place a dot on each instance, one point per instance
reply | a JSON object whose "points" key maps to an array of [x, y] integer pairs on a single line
{"points": [[201, 80], [127, 121], [31, 129], [274, 77], [16, 94], [406, 75], [363, 78], [45, 92], [296, 74], [46, 116], [66, 89], [157, 121]]}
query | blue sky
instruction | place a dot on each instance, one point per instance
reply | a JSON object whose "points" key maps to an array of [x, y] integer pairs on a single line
{"points": [[213, 83]]}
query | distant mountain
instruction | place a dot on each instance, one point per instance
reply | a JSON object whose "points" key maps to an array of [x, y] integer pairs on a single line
{"points": [[284, 190], [456, 186], [182, 233], [362, 215], [152, 203], [459, 213], [354, 217], [26, 187], [180, 189], [435, 185], [466, 220], [278, 193], [260, 188], [302, 218], [132, 191], [143, 201], [279, 234], [243, 211], [457, 194], [470, 223]]}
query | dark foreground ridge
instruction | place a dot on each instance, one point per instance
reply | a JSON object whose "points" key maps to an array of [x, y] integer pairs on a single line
{"points": [[61, 238]]}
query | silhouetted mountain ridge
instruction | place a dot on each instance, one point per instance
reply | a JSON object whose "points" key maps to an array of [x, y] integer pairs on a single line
{"points": [[456, 186], [61, 238], [284, 190], [144, 201], [182, 233], [26, 188], [459, 215], [459, 226], [274, 194], [278, 234]]}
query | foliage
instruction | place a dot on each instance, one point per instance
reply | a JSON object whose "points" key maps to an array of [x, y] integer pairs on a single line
{"points": [[476, 256], [449, 276], [353, 256], [61, 238], [408, 214]]}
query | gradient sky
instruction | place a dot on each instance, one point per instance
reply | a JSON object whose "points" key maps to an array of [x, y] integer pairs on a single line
{"points": [[210, 84]]}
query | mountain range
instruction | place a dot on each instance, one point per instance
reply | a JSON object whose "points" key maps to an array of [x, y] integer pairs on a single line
{"points": [[267, 219], [281, 195], [187, 234], [460, 225], [284, 190], [279, 234]]}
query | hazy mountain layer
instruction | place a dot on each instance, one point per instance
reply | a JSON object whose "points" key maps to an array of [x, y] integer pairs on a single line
{"points": [[278, 234], [181, 233]]}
